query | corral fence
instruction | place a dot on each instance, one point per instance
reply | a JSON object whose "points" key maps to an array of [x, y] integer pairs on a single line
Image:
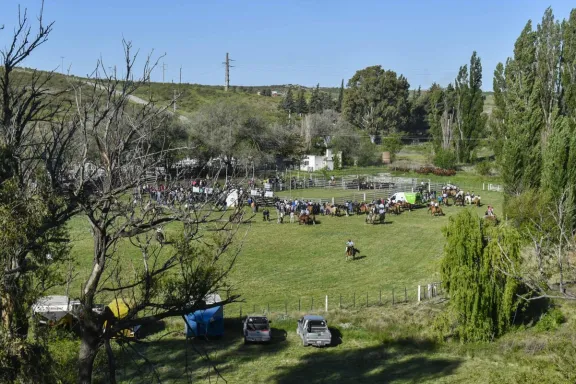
{"points": [[327, 303], [381, 181]]}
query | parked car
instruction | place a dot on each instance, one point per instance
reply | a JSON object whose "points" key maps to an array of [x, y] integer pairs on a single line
{"points": [[313, 330], [256, 328]]}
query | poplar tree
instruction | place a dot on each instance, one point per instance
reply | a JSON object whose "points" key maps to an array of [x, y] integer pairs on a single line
{"points": [[340, 97]]}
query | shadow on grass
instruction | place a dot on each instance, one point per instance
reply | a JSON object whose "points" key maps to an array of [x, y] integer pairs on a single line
{"points": [[359, 257], [182, 359], [394, 361]]}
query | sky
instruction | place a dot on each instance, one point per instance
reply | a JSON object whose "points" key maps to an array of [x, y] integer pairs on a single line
{"points": [[280, 41]]}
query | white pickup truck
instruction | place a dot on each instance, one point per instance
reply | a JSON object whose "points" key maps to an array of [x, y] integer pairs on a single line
{"points": [[313, 330]]}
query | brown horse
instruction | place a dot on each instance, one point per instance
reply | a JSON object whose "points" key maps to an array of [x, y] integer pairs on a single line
{"points": [[435, 211], [476, 201], [350, 252], [407, 205], [306, 219], [396, 208]]}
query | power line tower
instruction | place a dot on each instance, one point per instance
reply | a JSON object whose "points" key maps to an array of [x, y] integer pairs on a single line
{"points": [[227, 66]]}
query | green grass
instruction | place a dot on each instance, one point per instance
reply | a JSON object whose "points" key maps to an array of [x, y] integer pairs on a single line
{"points": [[283, 263], [375, 345]]}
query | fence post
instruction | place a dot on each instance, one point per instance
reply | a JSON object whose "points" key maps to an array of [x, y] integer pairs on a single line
{"points": [[405, 295], [419, 289], [393, 301], [429, 291], [326, 303], [364, 196], [332, 201]]}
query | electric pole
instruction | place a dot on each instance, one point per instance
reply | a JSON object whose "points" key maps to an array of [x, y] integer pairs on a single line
{"points": [[227, 66], [174, 100], [180, 75]]}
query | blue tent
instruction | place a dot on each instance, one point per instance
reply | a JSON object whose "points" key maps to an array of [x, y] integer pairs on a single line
{"points": [[205, 322]]}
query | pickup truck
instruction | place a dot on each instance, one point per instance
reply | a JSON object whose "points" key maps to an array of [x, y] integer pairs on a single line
{"points": [[257, 329], [313, 330]]}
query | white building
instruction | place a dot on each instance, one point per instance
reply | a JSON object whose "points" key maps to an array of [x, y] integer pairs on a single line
{"points": [[312, 163]]}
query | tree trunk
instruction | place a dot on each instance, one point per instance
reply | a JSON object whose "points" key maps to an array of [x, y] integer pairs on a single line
{"points": [[88, 351]]}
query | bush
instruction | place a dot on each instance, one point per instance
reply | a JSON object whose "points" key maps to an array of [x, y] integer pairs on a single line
{"points": [[550, 320], [445, 159], [483, 168], [436, 171]]}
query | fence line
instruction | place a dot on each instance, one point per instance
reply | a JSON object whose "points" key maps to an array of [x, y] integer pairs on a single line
{"points": [[327, 303]]}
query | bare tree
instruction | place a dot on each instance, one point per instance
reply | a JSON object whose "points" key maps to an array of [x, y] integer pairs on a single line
{"points": [[549, 264], [169, 278]]}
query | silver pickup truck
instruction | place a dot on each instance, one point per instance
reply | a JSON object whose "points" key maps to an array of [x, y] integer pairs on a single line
{"points": [[257, 329], [313, 330]]}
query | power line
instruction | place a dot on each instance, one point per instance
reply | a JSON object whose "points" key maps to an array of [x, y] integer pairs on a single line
{"points": [[227, 75]]}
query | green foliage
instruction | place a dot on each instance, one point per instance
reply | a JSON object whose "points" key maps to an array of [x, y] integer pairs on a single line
{"points": [[529, 208], [482, 299], [469, 106], [287, 103], [484, 168], [445, 159], [315, 104], [301, 106], [551, 320], [376, 101], [368, 154], [393, 144]]}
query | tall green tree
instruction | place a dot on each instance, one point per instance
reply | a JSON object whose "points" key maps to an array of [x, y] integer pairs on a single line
{"points": [[340, 100], [315, 102], [376, 101], [301, 106], [418, 121], [470, 121], [482, 298], [287, 103], [327, 102]]}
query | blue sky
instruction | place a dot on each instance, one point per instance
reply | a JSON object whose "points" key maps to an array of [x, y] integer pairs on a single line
{"points": [[281, 42]]}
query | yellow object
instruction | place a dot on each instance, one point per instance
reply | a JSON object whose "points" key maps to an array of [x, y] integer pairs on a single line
{"points": [[119, 309]]}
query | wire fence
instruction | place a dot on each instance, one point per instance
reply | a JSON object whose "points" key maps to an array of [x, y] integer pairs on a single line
{"points": [[327, 303]]}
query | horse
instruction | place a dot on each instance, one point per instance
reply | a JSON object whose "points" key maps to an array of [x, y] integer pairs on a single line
{"points": [[350, 252], [459, 200], [306, 219], [476, 201], [435, 211], [396, 208], [407, 205], [370, 218]]}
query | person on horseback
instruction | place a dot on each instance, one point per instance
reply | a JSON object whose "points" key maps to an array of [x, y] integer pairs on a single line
{"points": [[349, 249]]}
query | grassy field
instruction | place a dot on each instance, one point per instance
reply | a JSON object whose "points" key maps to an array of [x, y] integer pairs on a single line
{"points": [[284, 264]]}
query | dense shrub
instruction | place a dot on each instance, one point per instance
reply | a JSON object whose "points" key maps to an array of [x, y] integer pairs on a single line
{"points": [[550, 321], [445, 159], [483, 168]]}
